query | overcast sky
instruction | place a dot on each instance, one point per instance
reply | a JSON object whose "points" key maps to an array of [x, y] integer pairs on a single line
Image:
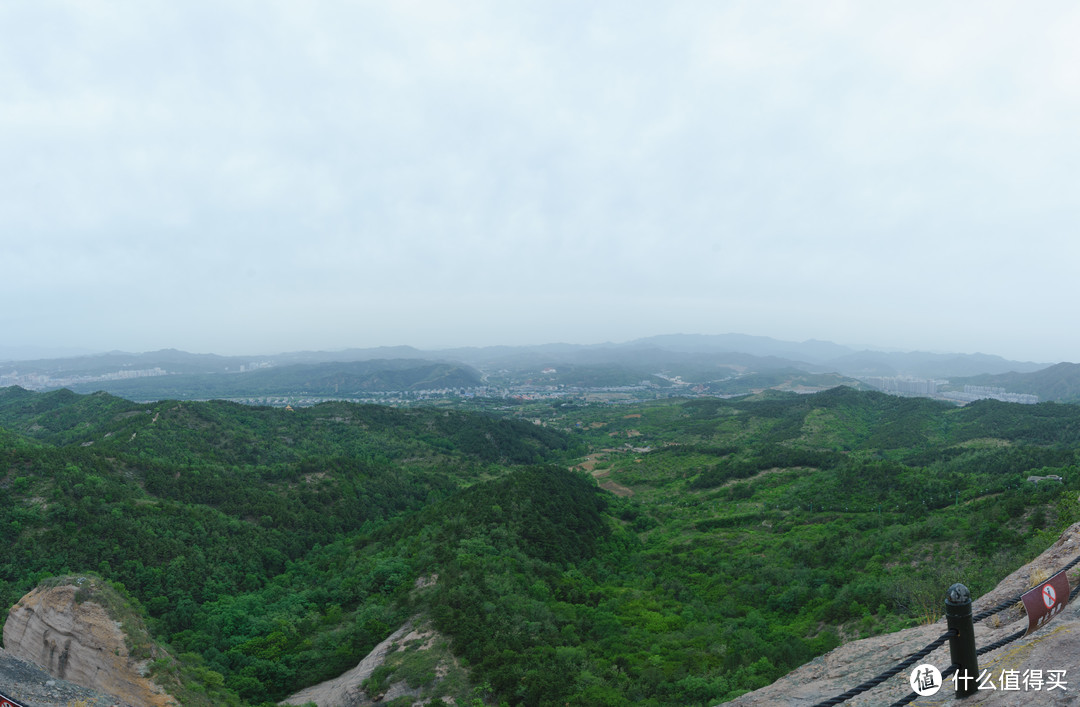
{"points": [[257, 177]]}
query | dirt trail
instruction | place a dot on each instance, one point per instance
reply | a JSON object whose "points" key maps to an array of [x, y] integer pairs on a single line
{"points": [[589, 465], [617, 489]]}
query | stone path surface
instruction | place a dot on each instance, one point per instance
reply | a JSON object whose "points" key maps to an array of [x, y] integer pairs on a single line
{"points": [[33, 687]]}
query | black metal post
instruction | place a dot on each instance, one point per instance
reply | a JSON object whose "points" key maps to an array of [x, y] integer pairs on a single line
{"points": [[962, 645]]}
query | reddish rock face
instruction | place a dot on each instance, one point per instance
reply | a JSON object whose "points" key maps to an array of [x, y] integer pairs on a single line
{"points": [[78, 642]]}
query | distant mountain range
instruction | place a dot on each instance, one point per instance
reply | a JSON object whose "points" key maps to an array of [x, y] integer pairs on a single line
{"points": [[726, 363], [180, 378]]}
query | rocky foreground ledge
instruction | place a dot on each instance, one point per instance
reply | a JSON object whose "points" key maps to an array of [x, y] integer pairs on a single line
{"points": [[1056, 646], [33, 687], [66, 630]]}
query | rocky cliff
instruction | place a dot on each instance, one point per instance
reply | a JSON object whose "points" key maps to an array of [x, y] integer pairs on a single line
{"points": [[345, 690], [415, 662], [30, 685], [397, 656], [65, 630], [1055, 646]]}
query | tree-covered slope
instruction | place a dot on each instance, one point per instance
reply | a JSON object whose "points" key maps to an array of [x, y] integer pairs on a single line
{"points": [[273, 548], [188, 503], [229, 433]]}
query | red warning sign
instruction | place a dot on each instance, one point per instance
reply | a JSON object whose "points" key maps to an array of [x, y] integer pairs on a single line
{"points": [[6, 701], [1048, 596], [1046, 601]]}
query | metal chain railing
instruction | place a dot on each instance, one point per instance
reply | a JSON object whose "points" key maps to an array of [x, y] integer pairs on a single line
{"points": [[1003, 642], [1012, 602], [962, 650], [1020, 634], [878, 679]]}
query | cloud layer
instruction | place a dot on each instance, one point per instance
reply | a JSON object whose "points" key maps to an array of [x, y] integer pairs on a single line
{"points": [[265, 176]]}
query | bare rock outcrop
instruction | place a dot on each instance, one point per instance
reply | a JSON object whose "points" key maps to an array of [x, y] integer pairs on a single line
{"points": [[415, 641], [1055, 646], [62, 629], [345, 690]]}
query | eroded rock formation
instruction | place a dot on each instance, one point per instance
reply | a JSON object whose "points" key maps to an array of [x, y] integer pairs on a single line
{"points": [[79, 642], [345, 690], [414, 639]]}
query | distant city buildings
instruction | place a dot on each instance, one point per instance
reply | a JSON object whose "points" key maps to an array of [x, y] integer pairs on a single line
{"points": [[44, 381], [903, 386], [983, 392], [919, 387], [531, 390]]}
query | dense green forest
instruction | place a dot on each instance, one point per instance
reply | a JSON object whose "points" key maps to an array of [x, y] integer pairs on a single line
{"points": [[727, 541]]}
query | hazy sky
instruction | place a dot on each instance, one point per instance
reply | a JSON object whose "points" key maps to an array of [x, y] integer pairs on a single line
{"points": [[257, 177]]}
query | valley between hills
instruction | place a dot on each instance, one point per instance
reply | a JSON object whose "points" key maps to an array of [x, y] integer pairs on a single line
{"points": [[681, 550]]}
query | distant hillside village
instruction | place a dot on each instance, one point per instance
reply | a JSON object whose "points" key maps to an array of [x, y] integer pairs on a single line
{"points": [[923, 388], [44, 381]]}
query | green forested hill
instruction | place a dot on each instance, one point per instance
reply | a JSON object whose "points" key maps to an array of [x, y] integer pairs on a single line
{"points": [[273, 548], [186, 503], [229, 433]]}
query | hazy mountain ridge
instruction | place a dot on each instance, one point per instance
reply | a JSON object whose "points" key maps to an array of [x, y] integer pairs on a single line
{"points": [[722, 364], [1060, 382], [177, 362], [928, 365], [321, 379], [811, 351]]}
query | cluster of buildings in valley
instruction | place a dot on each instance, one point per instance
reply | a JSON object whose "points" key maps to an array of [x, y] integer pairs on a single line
{"points": [[982, 392], [918, 387], [516, 393], [924, 388], [395, 397], [45, 381], [644, 391]]}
